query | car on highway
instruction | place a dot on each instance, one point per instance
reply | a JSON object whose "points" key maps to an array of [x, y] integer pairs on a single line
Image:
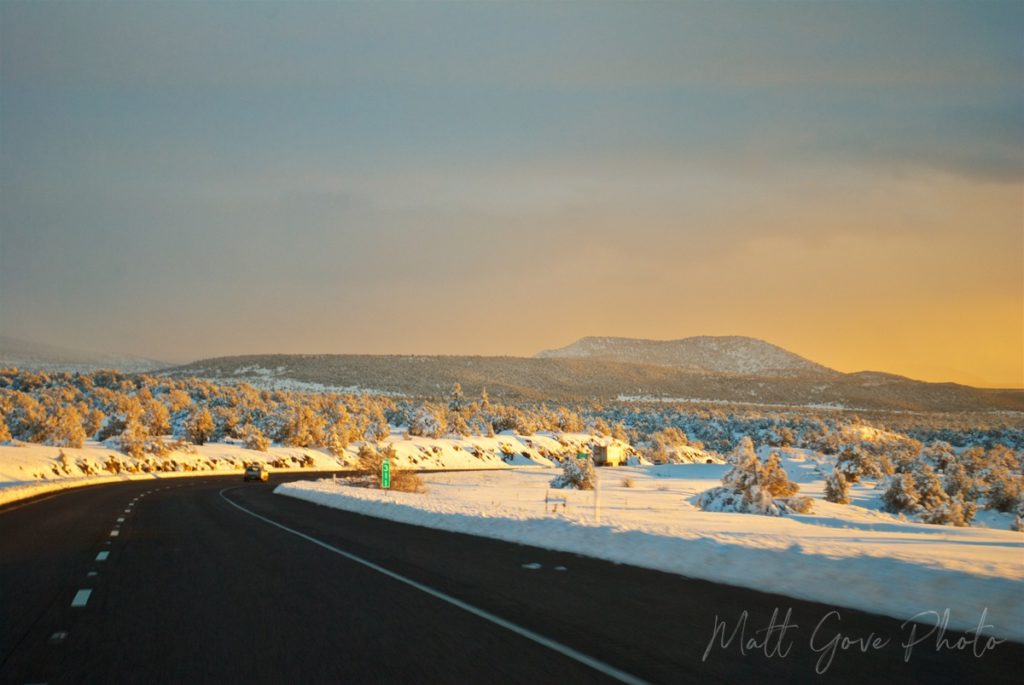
{"points": [[256, 472]]}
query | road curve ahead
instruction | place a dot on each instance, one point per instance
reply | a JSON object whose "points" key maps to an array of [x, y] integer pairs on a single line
{"points": [[211, 580]]}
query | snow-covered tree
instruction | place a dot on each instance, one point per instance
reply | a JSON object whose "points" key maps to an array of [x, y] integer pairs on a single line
{"points": [[200, 426], [457, 424], [601, 427], [856, 463], [134, 439], [952, 511], [938, 455], [369, 459], [336, 438], [377, 427], [93, 422], [1001, 456], [226, 423], [343, 428], [901, 495], [304, 429], [922, 492], [429, 421], [664, 444], [156, 417], [753, 487], [930, 493], [178, 400], [64, 427], [774, 479], [26, 417], [957, 481], [253, 438], [781, 436], [457, 402], [837, 489], [568, 421], [576, 473], [1005, 491]]}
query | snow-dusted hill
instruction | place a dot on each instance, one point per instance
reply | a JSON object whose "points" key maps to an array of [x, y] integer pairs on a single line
{"points": [[713, 354], [574, 378], [33, 356]]}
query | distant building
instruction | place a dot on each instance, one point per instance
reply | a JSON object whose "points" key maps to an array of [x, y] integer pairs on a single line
{"points": [[609, 455]]}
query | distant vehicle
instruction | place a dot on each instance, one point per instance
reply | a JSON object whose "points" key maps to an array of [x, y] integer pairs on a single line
{"points": [[256, 472]]}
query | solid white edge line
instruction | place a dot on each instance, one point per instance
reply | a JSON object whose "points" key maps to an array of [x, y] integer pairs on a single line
{"points": [[565, 650], [81, 598]]}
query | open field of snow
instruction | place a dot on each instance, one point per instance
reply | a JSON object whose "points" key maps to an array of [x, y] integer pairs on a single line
{"points": [[848, 555]]}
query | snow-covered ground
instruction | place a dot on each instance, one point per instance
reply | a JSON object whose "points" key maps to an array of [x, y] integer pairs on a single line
{"points": [[28, 469], [847, 555]]}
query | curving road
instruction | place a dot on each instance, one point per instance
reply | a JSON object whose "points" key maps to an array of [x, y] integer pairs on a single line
{"points": [[209, 580]]}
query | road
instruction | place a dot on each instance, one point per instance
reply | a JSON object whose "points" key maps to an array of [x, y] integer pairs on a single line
{"points": [[210, 580]]}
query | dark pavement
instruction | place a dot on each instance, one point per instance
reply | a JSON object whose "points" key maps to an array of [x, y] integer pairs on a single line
{"points": [[196, 590]]}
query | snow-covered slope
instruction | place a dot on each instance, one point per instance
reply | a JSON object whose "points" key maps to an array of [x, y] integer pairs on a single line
{"points": [[576, 378], [26, 469], [714, 354]]}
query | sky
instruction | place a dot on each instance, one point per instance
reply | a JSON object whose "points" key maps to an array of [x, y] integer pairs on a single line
{"points": [[181, 180]]}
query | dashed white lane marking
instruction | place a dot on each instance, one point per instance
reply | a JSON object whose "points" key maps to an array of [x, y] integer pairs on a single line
{"points": [[532, 566], [91, 574], [102, 556], [58, 637], [120, 519], [560, 568], [128, 510], [81, 598], [114, 533], [565, 650]]}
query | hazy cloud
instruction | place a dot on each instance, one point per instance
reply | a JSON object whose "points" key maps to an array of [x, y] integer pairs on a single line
{"points": [[182, 179]]}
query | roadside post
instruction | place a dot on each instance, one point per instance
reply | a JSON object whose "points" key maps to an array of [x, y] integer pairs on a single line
{"points": [[597, 491], [385, 474], [581, 456]]}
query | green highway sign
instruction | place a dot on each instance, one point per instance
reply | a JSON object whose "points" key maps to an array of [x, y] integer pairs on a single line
{"points": [[385, 474]]}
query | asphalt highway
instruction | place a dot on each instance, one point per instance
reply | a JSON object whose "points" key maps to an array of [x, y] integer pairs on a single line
{"points": [[212, 580]]}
